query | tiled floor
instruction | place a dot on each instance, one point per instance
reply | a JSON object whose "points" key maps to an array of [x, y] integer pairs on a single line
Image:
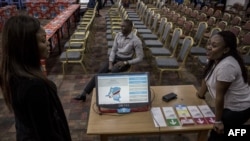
{"points": [[73, 82]]}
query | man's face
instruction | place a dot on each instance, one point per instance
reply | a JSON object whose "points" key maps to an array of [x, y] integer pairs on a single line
{"points": [[126, 29]]}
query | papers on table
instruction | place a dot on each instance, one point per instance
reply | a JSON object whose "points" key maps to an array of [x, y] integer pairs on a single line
{"points": [[181, 115]]}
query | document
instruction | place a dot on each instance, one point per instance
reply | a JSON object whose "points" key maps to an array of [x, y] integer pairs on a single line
{"points": [[158, 118], [171, 117]]}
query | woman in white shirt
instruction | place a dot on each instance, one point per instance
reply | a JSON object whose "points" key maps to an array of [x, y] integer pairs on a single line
{"points": [[225, 78]]}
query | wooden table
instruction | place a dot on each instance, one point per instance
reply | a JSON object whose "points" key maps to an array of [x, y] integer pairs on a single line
{"points": [[142, 122]]}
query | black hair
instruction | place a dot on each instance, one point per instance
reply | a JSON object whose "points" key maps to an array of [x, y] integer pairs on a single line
{"points": [[230, 41], [129, 22], [20, 53]]}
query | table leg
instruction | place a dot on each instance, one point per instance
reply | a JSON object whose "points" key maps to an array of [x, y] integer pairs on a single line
{"points": [[50, 45], [203, 135], [103, 137]]}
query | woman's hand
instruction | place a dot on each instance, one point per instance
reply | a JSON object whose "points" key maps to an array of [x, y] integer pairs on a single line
{"points": [[200, 96], [219, 127], [110, 66]]}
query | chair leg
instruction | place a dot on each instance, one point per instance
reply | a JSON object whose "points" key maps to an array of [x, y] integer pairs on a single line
{"points": [[63, 68], [84, 68], [160, 77], [179, 74]]}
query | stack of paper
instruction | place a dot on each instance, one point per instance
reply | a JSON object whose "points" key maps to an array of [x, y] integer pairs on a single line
{"points": [[196, 115], [170, 116], [184, 116], [158, 117], [207, 113]]}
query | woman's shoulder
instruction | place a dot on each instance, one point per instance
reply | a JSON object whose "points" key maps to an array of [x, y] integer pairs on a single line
{"points": [[229, 61], [27, 82]]}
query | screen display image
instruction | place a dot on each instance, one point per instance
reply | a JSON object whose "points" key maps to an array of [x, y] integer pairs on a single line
{"points": [[119, 90]]}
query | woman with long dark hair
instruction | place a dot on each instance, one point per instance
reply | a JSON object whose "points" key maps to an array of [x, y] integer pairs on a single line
{"points": [[225, 78], [39, 115]]}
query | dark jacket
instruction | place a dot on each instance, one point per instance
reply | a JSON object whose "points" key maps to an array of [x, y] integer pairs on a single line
{"points": [[39, 114]]}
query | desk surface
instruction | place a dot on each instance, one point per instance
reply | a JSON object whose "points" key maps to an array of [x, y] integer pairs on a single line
{"points": [[142, 122]]}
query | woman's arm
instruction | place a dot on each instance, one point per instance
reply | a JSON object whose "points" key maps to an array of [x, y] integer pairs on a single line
{"points": [[201, 93], [221, 89], [42, 112]]}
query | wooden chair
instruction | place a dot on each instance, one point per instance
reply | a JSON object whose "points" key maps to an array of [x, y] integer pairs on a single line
{"points": [[236, 30], [168, 49], [175, 64], [210, 12], [196, 50], [244, 41], [161, 27], [222, 25], [193, 15], [217, 14], [226, 17], [71, 55], [187, 29], [235, 21], [152, 35]]}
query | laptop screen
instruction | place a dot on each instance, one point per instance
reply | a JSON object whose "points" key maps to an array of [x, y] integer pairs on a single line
{"points": [[122, 90]]}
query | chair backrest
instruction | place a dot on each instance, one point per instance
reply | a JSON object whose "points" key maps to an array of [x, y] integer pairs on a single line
{"points": [[80, 41], [199, 33], [245, 40], [194, 14], [175, 40], [161, 5], [226, 17], [143, 12], [165, 11], [146, 16], [191, 5], [157, 4], [217, 14], [198, 7], [166, 32], [150, 18], [170, 15], [202, 17], [179, 7], [211, 21], [181, 20], [185, 49], [222, 25], [214, 31], [188, 27], [175, 17], [161, 26], [246, 26], [204, 9], [155, 22], [210, 11], [235, 21], [188, 11], [138, 6], [236, 30], [183, 9]]}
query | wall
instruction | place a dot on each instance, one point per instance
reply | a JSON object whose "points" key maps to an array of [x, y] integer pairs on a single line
{"points": [[231, 2]]}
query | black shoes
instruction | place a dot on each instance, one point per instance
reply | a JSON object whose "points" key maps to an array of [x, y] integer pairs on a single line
{"points": [[81, 96]]}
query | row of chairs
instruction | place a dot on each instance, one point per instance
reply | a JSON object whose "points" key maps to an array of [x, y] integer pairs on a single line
{"points": [[199, 34], [77, 45], [227, 22], [166, 54]]}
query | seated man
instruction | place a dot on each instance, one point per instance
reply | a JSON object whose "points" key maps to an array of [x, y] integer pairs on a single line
{"points": [[126, 46]]}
